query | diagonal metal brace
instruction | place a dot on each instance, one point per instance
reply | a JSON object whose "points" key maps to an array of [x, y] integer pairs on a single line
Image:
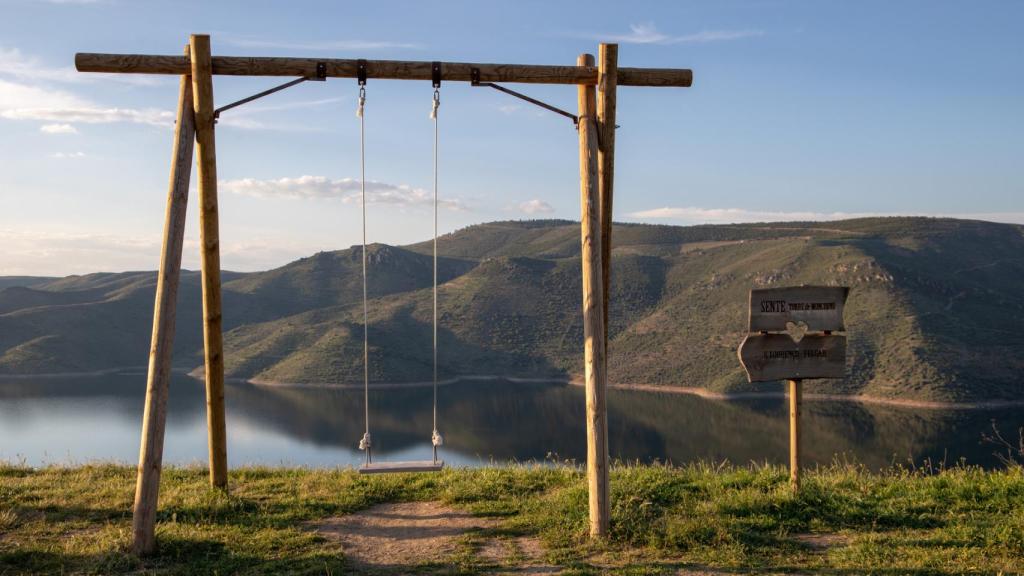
{"points": [[474, 76], [321, 75]]}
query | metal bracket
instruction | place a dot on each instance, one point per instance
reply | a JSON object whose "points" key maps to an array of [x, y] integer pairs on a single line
{"points": [[361, 71], [435, 73], [474, 80], [321, 76]]}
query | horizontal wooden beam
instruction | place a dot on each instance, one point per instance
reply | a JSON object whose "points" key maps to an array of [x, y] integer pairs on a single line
{"points": [[381, 69]]}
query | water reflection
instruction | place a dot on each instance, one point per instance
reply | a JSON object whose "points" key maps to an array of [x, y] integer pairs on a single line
{"points": [[80, 419]]}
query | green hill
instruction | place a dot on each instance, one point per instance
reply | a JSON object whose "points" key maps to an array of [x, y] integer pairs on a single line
{"points": [[934, 311]]}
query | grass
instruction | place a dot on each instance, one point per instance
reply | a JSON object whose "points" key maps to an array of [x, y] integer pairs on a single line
{"points": [[77, 519]]}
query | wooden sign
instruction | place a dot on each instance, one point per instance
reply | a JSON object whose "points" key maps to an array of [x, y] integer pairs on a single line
{"points": [[819, 308], [768, 357], [795, 354], [806, 316]]}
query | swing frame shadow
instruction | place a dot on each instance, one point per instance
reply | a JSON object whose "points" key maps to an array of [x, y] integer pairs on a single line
{"points": [[196, 118]]}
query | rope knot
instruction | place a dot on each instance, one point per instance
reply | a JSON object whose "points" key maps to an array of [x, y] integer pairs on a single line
{"points": [[437, 104], [365, 443], [362, 102]]}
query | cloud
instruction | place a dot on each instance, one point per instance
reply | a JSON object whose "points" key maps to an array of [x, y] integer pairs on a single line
{"points": [[647, 33], [27, 93], [299, 104], [23, 102], [45, 252], [535, 206], [242, 118], [347, 189], [41, 252], [64, 155], [14, 64], [58, 129], [16, 95], [739, 215], [733, 215], [30, 101], [509, 109], [320, 46], [92, 115]]}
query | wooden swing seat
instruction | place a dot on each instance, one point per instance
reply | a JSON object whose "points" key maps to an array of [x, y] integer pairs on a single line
{"points": [[397, 467]]}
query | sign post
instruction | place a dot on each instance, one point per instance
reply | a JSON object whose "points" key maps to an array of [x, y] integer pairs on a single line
{"points": [[795, 397], [791, 338]]}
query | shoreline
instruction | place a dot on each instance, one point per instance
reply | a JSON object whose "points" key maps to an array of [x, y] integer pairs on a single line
{"points": [[666, 389], [815, 396], [396, 385], [573, 381], [123, 371]]}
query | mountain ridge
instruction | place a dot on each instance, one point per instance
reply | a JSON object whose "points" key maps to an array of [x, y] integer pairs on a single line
{"points": [[933, 315]]}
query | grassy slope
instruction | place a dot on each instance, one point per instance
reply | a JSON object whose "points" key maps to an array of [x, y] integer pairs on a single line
{"points": [[934, 313], [86, 323], [509, 315], [332, 278], [75, 520]]}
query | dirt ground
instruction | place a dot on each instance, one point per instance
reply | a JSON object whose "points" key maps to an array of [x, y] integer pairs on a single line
{"points": [[415, 537], [406, 537]]}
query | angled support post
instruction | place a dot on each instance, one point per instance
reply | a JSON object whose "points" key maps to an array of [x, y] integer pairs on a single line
{"points": [[593, 311], [151, 450], [209, 238]]}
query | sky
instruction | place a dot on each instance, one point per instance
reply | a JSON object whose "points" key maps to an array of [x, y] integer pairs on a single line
{"points": [[799, 110]]}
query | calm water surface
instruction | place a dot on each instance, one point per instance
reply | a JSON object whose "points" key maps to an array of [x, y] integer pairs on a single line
{"points": [[75, 420]]}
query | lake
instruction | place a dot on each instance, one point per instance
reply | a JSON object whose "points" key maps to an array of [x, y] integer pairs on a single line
{"points": [[81, 419]]}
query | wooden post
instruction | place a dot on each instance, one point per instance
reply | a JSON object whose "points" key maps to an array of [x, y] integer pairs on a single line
{"points": [[209, 236], [795, 398], [151, 450], [593, 311], [607, 78]]}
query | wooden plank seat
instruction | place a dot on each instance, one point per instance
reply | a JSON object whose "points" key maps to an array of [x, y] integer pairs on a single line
{"points": [[397, 467]]}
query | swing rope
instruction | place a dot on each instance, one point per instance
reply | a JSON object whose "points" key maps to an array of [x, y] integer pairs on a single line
{"points": [[435, 437], [365, 443]]}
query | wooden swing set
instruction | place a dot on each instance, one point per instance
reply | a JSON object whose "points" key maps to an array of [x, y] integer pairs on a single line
{"points": [[195, 125]]}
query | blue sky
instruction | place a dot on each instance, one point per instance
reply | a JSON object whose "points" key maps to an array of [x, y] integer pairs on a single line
{"points": [[799, 110]]}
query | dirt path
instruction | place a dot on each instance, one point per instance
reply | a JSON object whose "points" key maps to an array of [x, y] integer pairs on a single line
{"points": [[414, 537], [430, 537]]}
